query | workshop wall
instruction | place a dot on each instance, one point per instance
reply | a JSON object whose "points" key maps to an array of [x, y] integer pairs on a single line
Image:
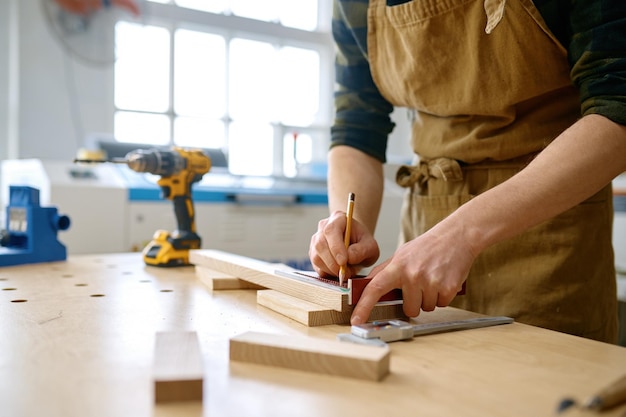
{"points": [[58, 99], [6, 8]]}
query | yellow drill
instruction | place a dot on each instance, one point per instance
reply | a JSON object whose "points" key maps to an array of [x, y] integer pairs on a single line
{"points": [[179, 169]]}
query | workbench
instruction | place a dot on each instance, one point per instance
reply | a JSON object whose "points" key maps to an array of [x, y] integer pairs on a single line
{"points": [[77, 339]]}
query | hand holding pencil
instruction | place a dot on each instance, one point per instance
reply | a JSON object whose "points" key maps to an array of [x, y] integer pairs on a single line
{"points": [[329, 244]]}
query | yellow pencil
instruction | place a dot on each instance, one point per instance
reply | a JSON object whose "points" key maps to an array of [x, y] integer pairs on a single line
{"points": [[610, 396], [346, 238]]}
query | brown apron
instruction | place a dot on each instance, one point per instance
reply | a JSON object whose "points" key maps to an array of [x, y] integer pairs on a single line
{"points": [[490, 85]]}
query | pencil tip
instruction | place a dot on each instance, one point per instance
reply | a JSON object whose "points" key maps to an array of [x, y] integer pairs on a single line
{"points": [[594, 403]]}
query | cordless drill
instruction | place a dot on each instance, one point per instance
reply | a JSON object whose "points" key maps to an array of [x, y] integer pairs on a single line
{"points": [[179, 169]]}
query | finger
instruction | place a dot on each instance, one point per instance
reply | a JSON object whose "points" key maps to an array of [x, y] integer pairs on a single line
{"points": [[430, 298], [446, 296], [412, 301], [334, 235], [430, 288], [364, 252], [377, 287], [319, 254]]}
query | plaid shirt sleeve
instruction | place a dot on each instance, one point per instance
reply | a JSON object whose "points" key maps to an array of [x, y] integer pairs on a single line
{"points": [[597, 53], [362, 115]]}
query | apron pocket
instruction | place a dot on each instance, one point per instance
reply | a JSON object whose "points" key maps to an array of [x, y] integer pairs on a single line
{"points": [[420, 213]]}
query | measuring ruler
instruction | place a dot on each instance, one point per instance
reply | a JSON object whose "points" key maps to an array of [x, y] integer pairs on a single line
{"points": [[380, 332]]}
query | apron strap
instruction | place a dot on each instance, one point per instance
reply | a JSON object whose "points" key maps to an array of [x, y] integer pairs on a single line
{"points": [[440, 168], [448, 169], [494, 9]]}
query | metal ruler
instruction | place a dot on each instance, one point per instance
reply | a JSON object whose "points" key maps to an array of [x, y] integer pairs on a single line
{"points": [[380, 332]]}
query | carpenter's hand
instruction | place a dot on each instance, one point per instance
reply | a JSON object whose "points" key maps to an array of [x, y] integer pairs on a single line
{"points": [[83, 7], [430, 270], [328, 251]]}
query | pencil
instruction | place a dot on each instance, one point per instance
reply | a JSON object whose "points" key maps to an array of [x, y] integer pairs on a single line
{"points": [[346, 237], [610, 396]]}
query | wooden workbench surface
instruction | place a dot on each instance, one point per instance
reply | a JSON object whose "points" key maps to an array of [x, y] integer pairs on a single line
{"points": [[77, 339]]}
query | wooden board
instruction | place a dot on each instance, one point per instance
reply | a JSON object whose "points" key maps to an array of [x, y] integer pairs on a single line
{"points": [[311, 355], [311, 314], [217, 280], [263, 274], [178, 370]]}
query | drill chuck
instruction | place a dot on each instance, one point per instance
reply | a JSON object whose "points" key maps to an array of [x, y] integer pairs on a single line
{"points": [[163, 163]]}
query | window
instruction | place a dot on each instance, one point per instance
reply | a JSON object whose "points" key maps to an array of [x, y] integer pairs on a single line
{"points": [[250, 78]]}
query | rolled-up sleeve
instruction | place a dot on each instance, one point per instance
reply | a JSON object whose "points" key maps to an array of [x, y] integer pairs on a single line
{"points": [[597, 54], [362, 115]]}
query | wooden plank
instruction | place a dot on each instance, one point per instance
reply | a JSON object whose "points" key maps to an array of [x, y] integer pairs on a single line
{"points": [[302, 311], [311, 355], [311, 314], [217, 280], [178, 370], [263, 274]]}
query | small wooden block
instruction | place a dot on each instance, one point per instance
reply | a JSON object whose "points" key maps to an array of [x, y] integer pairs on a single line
{"points": [[311, 314], [216, 280], [311, 355], [178, 371]]}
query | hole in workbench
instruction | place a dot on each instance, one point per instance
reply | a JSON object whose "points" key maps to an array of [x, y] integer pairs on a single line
{"points": [[80, 285], [4, 279], [67, 276], [97, 295], [9, 289], [145, 280], [167, 290], [18, 301]]}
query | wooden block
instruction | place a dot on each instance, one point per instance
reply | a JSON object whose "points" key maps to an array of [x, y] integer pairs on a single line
{"points": [[178, 371], [312, 355], [263, 274], [217, 280], [305, 312], [311, 314]]}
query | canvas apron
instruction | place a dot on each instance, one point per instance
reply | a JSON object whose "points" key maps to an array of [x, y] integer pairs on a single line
{"points": [[490, 85]]}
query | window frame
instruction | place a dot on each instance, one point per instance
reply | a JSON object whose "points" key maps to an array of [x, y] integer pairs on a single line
{"points": [[173, 17]]}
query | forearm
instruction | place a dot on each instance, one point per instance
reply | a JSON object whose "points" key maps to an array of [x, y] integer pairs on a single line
{"points": [[572, 168], [350, 170]]}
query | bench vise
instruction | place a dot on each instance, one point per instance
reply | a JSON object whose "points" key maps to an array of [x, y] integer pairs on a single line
{"points": [[31, 230]]}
